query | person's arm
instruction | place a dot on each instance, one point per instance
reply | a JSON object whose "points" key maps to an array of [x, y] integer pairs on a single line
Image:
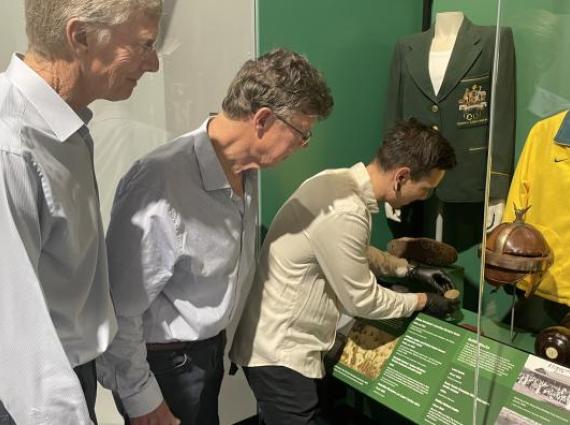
{"points": [[385, 264], [340, 244], [37, 383], [142, 247]]}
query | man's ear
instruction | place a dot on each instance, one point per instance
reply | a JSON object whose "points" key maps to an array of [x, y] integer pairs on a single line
{"points": [[402, 174], [76, 34], [262, 120]]}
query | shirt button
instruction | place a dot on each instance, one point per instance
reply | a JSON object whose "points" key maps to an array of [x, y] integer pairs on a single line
{"points": [[435, 108], [435, 127]]}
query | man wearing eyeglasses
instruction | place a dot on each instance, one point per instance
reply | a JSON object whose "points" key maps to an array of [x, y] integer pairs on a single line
{"points": [[314, 264], [182, 240]]}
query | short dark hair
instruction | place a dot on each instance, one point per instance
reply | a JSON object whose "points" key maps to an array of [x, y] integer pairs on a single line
{"points": [[282, 80], [412, 144]]}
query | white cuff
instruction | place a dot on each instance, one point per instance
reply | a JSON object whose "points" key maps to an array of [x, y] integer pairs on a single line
{"points": [[410, 302]]}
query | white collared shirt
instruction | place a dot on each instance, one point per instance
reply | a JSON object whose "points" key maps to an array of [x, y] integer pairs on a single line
{"points": [[181, 254], [55, 308], [313, 265]]}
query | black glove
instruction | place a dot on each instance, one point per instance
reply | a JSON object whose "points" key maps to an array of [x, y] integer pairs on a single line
{"points": [[434, 277], [439, 306]]}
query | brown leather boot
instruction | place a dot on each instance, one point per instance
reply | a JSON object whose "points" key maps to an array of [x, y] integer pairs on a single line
{"points": [[423, 250]]}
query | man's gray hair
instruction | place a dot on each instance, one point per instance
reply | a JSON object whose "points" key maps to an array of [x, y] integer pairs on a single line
{"points": [[281, 80], [46, 20]]}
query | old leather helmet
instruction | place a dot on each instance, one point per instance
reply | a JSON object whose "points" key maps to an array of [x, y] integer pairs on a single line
{"points": [[514, 250]]}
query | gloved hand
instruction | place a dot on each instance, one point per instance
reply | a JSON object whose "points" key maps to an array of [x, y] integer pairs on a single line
{"points": [[439, 306], [432, 276]]}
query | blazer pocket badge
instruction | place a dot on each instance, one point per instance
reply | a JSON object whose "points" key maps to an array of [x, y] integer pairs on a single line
{"points": [[473, 106]]}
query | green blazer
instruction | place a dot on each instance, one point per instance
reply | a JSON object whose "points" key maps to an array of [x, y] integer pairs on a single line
{"points": [[461, 109]]}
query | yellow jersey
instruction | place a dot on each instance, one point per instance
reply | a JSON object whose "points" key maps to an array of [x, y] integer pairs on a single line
{"points": [[542, 181]]}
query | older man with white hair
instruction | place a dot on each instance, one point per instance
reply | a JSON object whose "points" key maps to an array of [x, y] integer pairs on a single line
{"points": [[56, 315]]}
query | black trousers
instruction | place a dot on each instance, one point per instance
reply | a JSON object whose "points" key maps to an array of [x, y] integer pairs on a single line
{"points": [[87, 377], [284, 397], [190, 379]]}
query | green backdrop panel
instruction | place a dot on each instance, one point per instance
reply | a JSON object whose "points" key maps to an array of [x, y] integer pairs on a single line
{"points": [[351, 43]]}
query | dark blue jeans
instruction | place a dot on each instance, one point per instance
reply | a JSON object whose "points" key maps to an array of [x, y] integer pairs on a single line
{"points": [[87, 377], [190, 379]]}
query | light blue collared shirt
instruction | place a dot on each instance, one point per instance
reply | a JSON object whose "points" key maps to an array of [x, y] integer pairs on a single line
{"points": [[181, 254], [55, 308]]}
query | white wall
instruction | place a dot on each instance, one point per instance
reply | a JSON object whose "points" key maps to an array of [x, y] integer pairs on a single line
{"points": [[203, 43]]}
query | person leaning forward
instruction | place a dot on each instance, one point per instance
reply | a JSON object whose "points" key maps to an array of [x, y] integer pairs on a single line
{"points": [[182, 240], [56, 314], [314, 264]]}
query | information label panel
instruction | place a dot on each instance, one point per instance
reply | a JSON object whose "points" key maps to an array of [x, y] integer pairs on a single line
{"points": [[425, 370]]}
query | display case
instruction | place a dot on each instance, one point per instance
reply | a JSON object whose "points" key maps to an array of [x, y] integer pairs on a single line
{"points": [[501, 99]]}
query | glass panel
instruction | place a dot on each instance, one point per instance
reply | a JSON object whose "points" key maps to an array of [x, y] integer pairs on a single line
{"points": [[527, 289], [540, 35], [202, 45], [190, 84]]}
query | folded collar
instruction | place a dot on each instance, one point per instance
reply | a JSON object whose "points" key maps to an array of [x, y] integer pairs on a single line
{"points": [[213, 176], [57, 114], [365, 189]]}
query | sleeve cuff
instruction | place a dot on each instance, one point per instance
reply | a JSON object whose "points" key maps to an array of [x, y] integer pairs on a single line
{"points": [[145, 401], [410, 302]]}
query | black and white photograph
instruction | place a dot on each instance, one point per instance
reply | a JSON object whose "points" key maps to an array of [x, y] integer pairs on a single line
{"points": [[545, 381]]}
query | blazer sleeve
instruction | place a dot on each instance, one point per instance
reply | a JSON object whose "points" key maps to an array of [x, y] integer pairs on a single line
{"points": [[504, 119], [393, 108]]}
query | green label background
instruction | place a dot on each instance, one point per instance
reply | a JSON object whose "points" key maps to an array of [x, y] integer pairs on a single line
{"points": [[444, 390]]}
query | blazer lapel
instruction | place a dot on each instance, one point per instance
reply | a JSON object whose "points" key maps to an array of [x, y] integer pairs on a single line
{"points": [[417, 59], [466, 50]]}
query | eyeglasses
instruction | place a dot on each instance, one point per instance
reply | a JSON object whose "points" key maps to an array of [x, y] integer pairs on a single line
{"points": [[147, 48], [304, 136], [143, 49]]}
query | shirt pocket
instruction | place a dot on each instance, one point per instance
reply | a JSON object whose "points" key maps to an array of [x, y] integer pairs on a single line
{"points": [[473, 101]]}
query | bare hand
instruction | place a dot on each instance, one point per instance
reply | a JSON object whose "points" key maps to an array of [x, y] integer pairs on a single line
{"points": [[159, 416]]}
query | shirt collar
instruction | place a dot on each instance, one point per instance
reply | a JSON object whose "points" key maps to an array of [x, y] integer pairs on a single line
{"points": [[213, 177], [563, 135], [58, 115], [364, 184]]}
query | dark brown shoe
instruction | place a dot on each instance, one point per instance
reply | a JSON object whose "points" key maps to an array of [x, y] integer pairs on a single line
{"points": [[423, 250]]}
